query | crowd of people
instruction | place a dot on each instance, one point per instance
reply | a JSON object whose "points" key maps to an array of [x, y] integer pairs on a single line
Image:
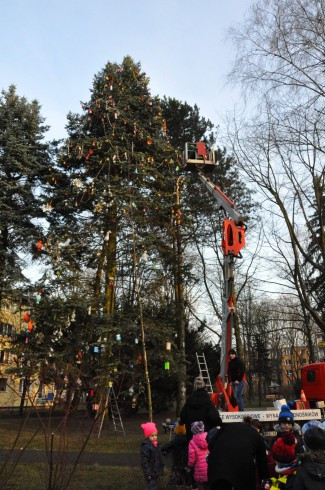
{"points": [[207, 454]]}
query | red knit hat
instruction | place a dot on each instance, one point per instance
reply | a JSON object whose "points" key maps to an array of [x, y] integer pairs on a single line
{"points": [[149, 428], [284, 448]]}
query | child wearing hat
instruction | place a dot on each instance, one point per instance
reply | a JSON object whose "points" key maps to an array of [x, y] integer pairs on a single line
{"points": [[151, 459], [286, 424], [197, 454], [311, 465], [310, 424], [284, 455], [178, 448]]}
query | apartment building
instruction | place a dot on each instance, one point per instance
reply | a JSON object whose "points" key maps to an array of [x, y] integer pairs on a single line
{"points": [[11, 385], [321, 347], [293, 358]]}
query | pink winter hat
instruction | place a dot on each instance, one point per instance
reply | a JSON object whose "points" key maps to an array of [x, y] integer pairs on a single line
{"points": [[149, 428]]}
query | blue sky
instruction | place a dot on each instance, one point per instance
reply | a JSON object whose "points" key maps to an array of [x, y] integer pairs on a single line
{"points": [[51, 50]]}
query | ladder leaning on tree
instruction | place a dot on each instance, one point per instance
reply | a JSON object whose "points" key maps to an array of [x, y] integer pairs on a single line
{"points": [[115, 411], [204, 372], [111, 403]]}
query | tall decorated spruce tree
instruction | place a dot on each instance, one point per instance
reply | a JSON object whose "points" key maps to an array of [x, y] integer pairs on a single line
{"points": [[105, 196], [121, 209]]}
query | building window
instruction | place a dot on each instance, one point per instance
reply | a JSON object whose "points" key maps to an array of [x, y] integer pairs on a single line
{"points": [[6, 330], [288, 362], [304, 361], [4, 356], [3, 384], [287, 352], [289, 373]]}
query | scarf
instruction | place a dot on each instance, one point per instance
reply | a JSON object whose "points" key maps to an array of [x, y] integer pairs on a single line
{"points": [[286, 469]]}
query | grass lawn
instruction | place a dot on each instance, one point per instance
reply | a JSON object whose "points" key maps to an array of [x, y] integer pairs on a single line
{"points": [[33, 433], [35, 477], [36, 434]]}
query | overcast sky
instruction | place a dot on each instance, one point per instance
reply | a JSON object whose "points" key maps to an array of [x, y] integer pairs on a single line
{"points": [[51, 49]]}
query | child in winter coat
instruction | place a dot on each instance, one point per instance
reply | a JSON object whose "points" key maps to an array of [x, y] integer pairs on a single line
{"points": [[284, 454], [197, 454], [151, 459], [311, 465], [286, 424], [179, 449]]}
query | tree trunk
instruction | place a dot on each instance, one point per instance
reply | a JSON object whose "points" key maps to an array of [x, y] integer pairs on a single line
{"points": [[180, 315], [23, 396], [3, 250], [110, 275], [259, 390], [308, 333], [142, 328], [239, 344], [179, 303]]}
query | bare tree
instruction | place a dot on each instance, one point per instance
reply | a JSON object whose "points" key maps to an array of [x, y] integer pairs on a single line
{"points": [[280, 49], [280, 56]]}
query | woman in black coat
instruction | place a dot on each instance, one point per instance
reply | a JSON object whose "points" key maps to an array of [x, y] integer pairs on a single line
{"points": [[199, 406], [236, 452]]}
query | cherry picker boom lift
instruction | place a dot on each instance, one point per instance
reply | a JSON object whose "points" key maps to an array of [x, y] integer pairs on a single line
{"points": [[198, 156], [233, 241]]}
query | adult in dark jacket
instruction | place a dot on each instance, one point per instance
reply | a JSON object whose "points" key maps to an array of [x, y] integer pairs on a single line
{"points": [[179, 448], [236, 452], [199, 406], [311, 466], [236, 373]]}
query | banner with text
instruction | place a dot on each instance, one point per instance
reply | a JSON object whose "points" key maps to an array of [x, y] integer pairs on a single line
{"points": [[269, 415]]}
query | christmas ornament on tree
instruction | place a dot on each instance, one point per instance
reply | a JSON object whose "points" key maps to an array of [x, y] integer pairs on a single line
{"points": [[38, 298], [47, 207], [77, 183]]}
